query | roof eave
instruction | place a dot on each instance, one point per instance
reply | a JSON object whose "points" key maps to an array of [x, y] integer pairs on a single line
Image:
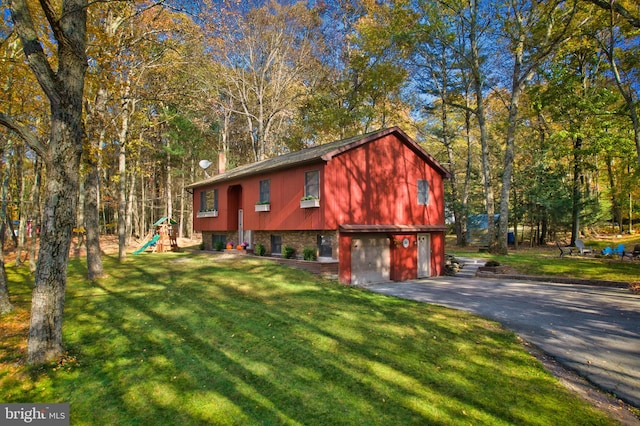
{"points": [[230, 176], [253, 170]]}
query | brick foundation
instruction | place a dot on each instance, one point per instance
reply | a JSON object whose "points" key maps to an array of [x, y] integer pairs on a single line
{"points": [[296, 239], [207, 238]]}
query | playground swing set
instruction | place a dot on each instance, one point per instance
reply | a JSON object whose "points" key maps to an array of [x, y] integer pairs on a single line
{"points": [[161, 237]]}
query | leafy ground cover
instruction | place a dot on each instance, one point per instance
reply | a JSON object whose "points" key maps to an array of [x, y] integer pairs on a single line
{"points": [[183, 338]]}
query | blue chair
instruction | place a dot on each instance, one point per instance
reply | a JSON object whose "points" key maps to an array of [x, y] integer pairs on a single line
{"points": [[621, 252], [607, 251]]}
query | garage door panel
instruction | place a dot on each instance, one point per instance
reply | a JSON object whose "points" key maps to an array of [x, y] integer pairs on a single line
{"points": [[370, 259]]}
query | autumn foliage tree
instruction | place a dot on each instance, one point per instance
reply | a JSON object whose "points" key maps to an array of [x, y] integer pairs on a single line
{"points": [[61, 77], [267, 69]]}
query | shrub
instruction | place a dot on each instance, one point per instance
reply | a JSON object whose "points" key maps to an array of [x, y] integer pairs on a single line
{"points": [[219, 245], [202, 245], [492, 263], [288, 252], [309, 253], [259, 250]]}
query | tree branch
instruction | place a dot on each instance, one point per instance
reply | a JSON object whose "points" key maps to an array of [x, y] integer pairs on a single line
{"points": [[618, 8], [23, 132], [53, 20], [33, 50]]}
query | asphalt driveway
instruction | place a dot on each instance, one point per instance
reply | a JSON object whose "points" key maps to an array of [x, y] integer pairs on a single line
{"points": [[592, 330]]}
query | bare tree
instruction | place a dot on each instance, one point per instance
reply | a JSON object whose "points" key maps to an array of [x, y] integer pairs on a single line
{"points": [[268, 62]]}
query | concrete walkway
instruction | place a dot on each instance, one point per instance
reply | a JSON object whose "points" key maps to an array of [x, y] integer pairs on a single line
{"points": [[592, 330]]}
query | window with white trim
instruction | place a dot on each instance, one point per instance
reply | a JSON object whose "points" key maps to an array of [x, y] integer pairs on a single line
{"points": [[423, 192], [265, 191], [209, 200], [312, 184]]}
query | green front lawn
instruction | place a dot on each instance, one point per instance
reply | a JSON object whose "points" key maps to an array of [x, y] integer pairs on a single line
{"points": [[183, 338], [546, 260]]}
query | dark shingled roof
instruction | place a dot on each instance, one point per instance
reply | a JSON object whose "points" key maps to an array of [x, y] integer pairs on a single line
{"points": [[315, 154]]}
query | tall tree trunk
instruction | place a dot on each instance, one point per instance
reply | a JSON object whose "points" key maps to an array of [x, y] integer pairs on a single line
{"points": [[517, 85], [446, 141], [130, 203], [616, 211], [467, 175], [122, 176], [47, 304], [122, 203], [5, 302], [79, 234], [169, 187], [128, 107], [507, 173], [35, 212], [545, 228], [182, 203], [143, 211], [95, 269], [22, 214], [576, 197], [487, 183], [556, 21]]}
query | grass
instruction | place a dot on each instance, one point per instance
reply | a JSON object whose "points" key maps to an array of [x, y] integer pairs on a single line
{"points": [[186, 339], [546, 260]]}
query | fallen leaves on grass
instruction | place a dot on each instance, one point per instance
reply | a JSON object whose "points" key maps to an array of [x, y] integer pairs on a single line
{"points": [[14, 329]]}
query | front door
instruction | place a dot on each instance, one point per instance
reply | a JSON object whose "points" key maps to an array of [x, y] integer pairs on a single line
{"points": [[424, 255], [235, 216], [240, 226]]}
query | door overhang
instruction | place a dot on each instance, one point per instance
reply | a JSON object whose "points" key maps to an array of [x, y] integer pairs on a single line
{"points": [[391, 229]]}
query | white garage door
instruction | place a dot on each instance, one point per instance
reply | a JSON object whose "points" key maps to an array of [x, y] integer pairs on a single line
{"points": [[370, 259]]}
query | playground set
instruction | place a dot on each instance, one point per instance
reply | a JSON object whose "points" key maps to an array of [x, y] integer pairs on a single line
{"points": [[161, 237]]}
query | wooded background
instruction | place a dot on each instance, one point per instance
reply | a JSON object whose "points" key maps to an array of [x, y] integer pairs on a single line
{"points": [[107, 108], [530, 105]]}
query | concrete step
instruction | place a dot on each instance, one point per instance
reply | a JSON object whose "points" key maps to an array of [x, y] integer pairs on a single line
{"points": [[470, 266]]}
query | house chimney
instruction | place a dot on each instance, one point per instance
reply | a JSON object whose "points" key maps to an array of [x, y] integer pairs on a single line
{"points": [[222, 162]]}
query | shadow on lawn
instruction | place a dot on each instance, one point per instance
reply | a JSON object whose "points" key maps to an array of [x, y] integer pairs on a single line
{"points": [[238, 343]]}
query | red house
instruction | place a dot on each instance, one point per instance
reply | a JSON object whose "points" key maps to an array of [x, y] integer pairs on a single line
{"points": [[373, 203]]}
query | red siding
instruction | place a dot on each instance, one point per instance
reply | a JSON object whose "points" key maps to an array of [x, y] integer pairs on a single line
{"points": [[286, 187], [377, 184], [437, 254], [344, 261], [373, 184], [404, 260]]}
